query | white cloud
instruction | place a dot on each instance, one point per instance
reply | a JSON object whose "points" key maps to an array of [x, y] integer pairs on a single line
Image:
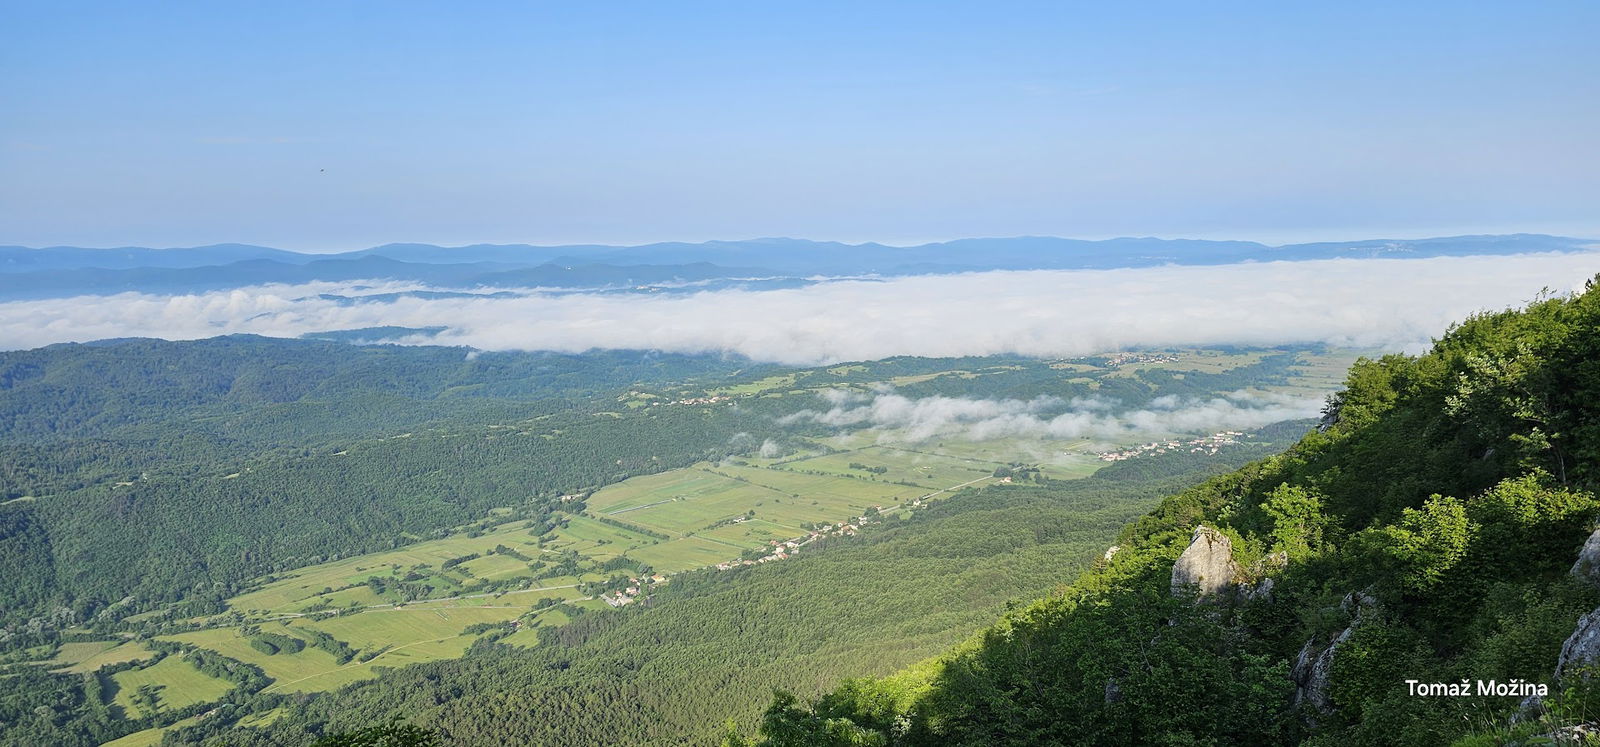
{"points": [[1389, 303], [907, 420]]}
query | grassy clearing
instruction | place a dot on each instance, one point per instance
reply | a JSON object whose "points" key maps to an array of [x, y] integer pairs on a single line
{"points": [[850, 486], [409, 635], [680, 501], [259, 720], [686, 554], [83, 658], [150, 737], [626, 498], [280, 667], [497, 567], [176, 681], [783, 381], [595, 540], [305, 587], [925, 468], [73, 653], [408, 625]]}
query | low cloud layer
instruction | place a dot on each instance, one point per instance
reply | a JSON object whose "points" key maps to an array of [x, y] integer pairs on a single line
{"points": [[1388, 303], [907, 420]]}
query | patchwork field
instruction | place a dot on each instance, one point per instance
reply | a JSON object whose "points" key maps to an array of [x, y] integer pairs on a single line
{"points": [[280, 667], [177, 684], [927, 470], [150, 737], [83, 658], [851, 490], [302, 588], [391, 637]]}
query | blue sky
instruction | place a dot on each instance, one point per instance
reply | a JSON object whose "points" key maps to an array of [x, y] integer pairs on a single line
{"points": [[322, 126]]}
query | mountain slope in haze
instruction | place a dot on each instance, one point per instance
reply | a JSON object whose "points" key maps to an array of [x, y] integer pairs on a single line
{"points": [[66, 271], [57, 283], [1426, 532], [25, 259]]}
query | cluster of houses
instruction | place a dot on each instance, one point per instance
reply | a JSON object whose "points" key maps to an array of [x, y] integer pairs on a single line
{"points": [[785, 549], [694, 400], [1123, 359], [1202, 445], [635, 587]]}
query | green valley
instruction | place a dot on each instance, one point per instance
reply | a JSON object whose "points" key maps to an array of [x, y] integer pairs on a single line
{"points": [[488, 527]]}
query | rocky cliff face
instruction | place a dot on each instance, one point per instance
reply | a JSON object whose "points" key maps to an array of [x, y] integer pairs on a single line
{"points": [[1314, 664], [1582, 649], [1587, 566], [1207, 564]]}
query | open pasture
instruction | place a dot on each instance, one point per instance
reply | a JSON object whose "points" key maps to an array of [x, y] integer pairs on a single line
{"points": [[926, 469], [687, 553], [752, 533], [596, 540], [399, 626], [681, 501], [150, 737], [177, 683], [82, 658], [497, 567], [632, 495], [280, 667], [852, 491], [303, 587]]}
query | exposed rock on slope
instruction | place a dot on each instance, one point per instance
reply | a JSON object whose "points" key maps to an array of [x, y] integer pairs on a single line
{"points": [[1582, 648], [1207, 563], [1312, 667], [1587, 566]]}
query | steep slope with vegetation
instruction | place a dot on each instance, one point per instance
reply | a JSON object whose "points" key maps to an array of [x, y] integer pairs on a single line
{"points": [[1424, 532]]}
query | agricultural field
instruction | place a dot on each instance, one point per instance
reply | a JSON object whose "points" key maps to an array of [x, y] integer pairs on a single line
{"points": [[927, 470], [86, 657], [342, 583], [177, 684], [770, 383], [281, 667], [385, 637], [150, 737]]}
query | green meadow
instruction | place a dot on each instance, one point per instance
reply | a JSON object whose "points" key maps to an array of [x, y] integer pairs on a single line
{"points": [[86, 657], [177, 684]]}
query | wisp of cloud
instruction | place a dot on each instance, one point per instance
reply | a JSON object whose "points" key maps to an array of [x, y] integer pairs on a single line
{"points": [[906, 420]]}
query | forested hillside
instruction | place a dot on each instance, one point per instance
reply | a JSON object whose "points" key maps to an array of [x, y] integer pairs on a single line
{"points": [[1427, 531], [714, 644], [145, 472]]}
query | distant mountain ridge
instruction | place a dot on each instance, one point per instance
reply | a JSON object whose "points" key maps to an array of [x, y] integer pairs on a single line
{"points": [[65, 271]]}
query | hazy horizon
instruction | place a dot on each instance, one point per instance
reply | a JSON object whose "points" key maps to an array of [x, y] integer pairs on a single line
{"points": [[1326, 237]]}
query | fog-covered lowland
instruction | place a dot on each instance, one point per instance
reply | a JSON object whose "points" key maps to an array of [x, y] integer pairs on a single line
{"points": [[793, 302]]}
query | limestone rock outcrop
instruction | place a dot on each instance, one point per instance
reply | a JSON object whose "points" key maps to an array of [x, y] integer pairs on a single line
{"points": [[1314, 665], [1581, 649], [1587, 567], [1207, 563], [1312, 669]]}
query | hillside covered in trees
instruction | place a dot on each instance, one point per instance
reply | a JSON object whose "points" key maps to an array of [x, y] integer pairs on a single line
{"points": [[1422, 539]]}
